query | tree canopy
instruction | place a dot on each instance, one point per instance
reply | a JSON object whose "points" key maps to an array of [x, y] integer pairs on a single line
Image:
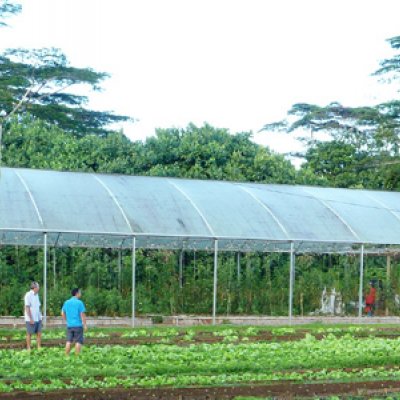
{"points": [[390, 68], [364, 142], [195, 152], [8, 9], [39, 82]]}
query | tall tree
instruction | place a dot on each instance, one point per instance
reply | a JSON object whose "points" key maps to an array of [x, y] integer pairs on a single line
{"points": [[365, 141], [39, 82], [390, 68], [8, 9]]}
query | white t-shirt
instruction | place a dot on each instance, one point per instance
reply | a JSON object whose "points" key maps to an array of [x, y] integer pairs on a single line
{"points": [[32, 301]]}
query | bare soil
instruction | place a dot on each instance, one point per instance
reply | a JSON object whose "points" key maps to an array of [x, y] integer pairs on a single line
{"points": [[282, 390]]}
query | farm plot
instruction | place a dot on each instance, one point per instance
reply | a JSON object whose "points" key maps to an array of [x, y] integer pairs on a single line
{"points": [[316, 361], [182, 336]]}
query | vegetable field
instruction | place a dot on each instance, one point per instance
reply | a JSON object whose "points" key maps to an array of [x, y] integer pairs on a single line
{"points": [[223, 362]]}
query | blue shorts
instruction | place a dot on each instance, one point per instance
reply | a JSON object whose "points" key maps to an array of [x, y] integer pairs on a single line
{"points": [[34, 328], [75, 335]]}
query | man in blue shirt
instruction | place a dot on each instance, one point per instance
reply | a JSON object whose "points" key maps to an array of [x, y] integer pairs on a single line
{"points": [[73, 312]]}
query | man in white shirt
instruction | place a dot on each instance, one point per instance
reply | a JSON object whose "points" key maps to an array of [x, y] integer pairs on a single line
{"points": [[33, 316]]}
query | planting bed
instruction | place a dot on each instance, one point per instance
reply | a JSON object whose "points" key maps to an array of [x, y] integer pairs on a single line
{"points": [[286, 390], [14, 339], [223, 362]]}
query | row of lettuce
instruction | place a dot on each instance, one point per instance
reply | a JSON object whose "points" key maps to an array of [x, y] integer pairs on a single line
{"points": [[332, 358], [225, 332]]}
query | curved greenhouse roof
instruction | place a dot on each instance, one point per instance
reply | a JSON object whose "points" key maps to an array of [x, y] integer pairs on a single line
{"points": [[100, 210]]}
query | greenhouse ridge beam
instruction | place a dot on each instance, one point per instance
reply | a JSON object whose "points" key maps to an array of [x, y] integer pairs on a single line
{"points": [[382, 204], [182, 192], [116, 202], [255, 198], [338, 216], [26, 187]]}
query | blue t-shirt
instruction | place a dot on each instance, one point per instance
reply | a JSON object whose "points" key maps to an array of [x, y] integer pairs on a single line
{"points": [[73, 309]]}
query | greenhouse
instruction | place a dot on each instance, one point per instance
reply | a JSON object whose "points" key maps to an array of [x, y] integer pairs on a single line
{"points": [[58, 209]]}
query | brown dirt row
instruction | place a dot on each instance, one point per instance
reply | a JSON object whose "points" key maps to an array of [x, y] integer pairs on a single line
{"points": [[117, 340], [282, 390], [113, 340]]}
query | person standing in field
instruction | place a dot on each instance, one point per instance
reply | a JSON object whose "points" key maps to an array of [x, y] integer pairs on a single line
{"points": [[73, 313], [33, 316], [370, 300]]}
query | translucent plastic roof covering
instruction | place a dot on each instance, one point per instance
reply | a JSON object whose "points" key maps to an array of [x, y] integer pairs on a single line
{"points": [[99, 210]]}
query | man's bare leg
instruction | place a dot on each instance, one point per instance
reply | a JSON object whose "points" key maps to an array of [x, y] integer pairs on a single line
{"points": [[67, 348], [28, 341], [77, 348], [39, 340]]}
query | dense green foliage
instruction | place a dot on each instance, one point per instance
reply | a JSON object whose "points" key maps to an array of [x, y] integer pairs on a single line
{"points": [[260, 287], [196, 152]]}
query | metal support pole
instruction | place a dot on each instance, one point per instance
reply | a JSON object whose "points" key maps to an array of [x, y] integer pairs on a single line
{"points": [[181, 269], [360, 291], [1, 139], [3, 117], [119, 268], [54, 267], [238, 266], [388, 284], [291, 281], [133, 279], [194, 264], [215, 280], [44, 279]]}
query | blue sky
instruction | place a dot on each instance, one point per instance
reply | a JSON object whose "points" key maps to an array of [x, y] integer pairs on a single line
{"points": [[236, 64]]}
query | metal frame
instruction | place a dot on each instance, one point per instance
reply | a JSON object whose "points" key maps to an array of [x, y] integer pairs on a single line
{"points": [[360, 290], [133, 280], [181, 269], [45, 279], [198, 237], [214, 311], [291, 281], [291, 245]]}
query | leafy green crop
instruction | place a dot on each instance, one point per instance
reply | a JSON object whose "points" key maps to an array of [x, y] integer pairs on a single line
{"points": [[334, 358]]}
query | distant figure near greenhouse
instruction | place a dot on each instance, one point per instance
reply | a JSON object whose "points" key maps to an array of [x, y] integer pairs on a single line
{"points": [[73, 312], [370, 299], [33, 316]]}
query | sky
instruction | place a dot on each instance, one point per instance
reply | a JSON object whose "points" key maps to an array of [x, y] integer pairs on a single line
{"points": [[235, 64]]}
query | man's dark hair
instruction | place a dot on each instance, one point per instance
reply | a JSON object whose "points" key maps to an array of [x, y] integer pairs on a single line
{"points": [[74, 291], [34, 285]]}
